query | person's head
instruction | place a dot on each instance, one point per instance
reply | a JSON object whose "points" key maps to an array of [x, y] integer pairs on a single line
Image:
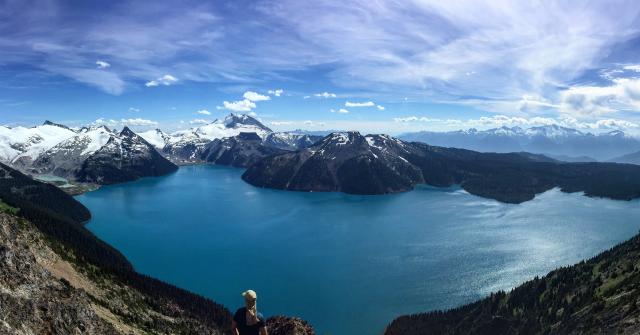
{"points": [[250, 298]]}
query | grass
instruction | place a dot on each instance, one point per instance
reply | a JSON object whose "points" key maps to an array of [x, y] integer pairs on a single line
{"points": [[8, 209]]}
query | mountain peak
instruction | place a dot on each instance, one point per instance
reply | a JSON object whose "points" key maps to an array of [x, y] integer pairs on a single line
{"points": [[234, 120], [50, 123], [126, 131]]}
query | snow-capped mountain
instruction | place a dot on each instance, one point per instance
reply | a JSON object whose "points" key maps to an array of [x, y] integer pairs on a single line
{"points": [[126, 156], [552, 140], [187, 146], [20, 146], [89, 154], [66, 158]]}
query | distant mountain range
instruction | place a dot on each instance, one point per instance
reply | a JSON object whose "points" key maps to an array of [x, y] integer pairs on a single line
{"points": [[100, 155], [555, 141], [376, 164]]}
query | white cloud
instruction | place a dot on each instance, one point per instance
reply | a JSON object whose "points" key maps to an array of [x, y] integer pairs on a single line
{"points": [[325, 95], [198, 121], [102, 64], [623, 94], [203, 112], [497, 121], [379, 107], [313, 123], [341, 111], [281, 123], [124, 122], [165, 80], [253, 96], [133, 109], [634, 67], [245, 105], [359, 104], [276, 93]]}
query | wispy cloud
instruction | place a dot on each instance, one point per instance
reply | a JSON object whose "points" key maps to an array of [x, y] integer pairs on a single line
{"points": [[124, 122], [203, 112], [438, 51], [359, 104], [497, 121], [325, 95], [340, 111]]}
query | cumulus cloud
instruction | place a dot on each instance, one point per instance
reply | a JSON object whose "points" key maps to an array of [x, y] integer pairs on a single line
{"points": [[165, 80], [341, 111], [245, 105], [253, 96], [276, 93], [623, 93], [325, 95], [102, 64], [359, 104], [203, 112]]}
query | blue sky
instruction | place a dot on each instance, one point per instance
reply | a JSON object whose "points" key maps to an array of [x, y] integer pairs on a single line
{"points": [[375, 66]]}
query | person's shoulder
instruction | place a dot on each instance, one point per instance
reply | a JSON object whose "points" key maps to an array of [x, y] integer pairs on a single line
{"points": [[260, 316], [240, 311]]}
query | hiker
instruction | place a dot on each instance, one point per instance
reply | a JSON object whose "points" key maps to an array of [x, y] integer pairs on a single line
{"points": [[247, 320]]}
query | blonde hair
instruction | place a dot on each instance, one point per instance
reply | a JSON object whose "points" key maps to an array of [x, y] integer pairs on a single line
{"points": [[252, 311]]}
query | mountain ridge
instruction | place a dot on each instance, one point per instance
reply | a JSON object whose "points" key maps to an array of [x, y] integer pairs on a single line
{"points": [[379, 164]]}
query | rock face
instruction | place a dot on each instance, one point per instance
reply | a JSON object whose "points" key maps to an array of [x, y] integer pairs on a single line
{"points": [[124, 158], [282, 325], [238, 151], [38, 302], [378, 164], [48, 294], [599, 296]]}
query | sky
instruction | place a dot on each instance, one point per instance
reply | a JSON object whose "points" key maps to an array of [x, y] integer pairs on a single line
{"points": [[370, 65]]}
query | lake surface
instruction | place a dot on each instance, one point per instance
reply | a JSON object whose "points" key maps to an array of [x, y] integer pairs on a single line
{"points": [[348, 264]]}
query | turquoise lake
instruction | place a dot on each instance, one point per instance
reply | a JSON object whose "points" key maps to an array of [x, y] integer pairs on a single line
{"points": [[347, 264]]}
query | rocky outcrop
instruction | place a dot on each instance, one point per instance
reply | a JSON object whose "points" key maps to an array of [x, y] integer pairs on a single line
{"points": [[238, 151], [282, 325]]}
